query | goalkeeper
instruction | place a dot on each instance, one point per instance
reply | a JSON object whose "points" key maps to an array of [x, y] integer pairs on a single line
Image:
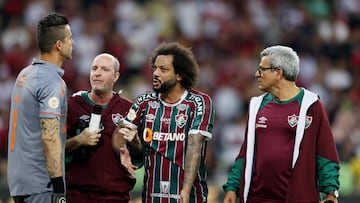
{"points": [[38, 114]]}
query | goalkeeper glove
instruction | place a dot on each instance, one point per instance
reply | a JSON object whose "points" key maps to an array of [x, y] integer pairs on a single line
{"points": [[59, 191]]}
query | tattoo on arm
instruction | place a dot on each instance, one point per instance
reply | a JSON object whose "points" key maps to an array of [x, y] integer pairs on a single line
{"points": [[50, 135], [192, 160]]}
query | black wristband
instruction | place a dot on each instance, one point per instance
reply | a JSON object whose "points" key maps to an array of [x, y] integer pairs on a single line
{"points": [[58, 184]]}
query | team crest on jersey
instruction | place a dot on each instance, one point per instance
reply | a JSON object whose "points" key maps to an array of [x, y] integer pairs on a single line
{"points": [[293, 120], [116, 117], [154, 104], [180, 120], [308, 121]]}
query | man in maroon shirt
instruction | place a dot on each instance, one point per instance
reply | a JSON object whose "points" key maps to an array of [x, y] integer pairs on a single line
{"points": [[94, 173], [288, 155]]}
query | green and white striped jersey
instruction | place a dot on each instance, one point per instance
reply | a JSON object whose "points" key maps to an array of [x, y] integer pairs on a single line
{"points": [[166, 128]]}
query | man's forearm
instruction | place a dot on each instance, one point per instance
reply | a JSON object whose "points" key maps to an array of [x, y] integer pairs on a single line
{"points": [[72, 144], [135, 146], [50, 135], [192, 160], [118, 139]]}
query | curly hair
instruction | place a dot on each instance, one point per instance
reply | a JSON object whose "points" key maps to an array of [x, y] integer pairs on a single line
{"points": [[183, 61]]}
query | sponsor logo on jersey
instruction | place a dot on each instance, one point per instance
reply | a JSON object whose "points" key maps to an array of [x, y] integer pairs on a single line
{"points": [[182, 107], [181, 120], [142, 98], [154, 104], [149, 135], [293, 120], [262, 119], [261, 122], [116, 117], [165, 191], [85, 118], [53, 102], [165, 120], [199, 106], [150, 117], [161, 195], [165, 187]]}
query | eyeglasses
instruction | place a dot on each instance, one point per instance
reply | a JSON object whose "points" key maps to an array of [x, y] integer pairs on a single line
{"points": [[262, 69]]}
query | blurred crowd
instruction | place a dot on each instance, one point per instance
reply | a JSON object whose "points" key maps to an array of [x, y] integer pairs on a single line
{"points": [[226, 37]]}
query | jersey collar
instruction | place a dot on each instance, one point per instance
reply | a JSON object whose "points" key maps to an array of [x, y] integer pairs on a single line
{"points": [[49, 66]]}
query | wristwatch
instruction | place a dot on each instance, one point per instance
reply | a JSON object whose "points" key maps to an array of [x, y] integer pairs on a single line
{"points": [[334, 193]]}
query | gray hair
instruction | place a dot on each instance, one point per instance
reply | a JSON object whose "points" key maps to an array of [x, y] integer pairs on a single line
{"points": [[285, 58], [115, 60]]}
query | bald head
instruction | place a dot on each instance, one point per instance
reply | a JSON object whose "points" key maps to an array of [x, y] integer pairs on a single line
{"points": [[113, 58]]}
